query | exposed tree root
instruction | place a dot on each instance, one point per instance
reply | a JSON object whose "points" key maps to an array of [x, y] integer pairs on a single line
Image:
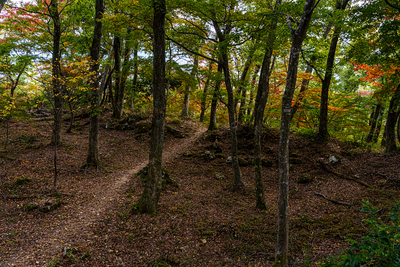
{"points": [[343, 176], [334, 201]]}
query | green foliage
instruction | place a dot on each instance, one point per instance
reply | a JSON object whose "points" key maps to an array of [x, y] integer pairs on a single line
{"points": [[379, 248]]}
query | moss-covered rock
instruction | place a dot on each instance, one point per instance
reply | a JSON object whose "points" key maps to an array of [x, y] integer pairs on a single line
{"points": [[143, 127], [304, 179], [244, 162], [295, 161], [266, 162]]}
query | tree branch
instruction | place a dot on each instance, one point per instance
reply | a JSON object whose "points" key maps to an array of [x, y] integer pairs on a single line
{"points": [[312, 66], [392, 5], [191, 51]]}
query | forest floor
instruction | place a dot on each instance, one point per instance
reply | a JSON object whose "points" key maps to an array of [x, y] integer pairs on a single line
{"points": [[202, 220]]}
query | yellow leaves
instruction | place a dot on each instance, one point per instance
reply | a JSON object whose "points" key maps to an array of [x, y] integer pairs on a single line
{"points": [[332, 108]]}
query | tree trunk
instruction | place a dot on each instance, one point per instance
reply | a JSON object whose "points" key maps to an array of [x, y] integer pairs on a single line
{"points": [[237, 175], [148, 201], [398, 127], [390, 136], [374, 120], [56, 73], [214, 102], [251, 97], [378, 127], [306, 81], [261, 101], [323, 133], [71, 120], [126, 66], [193, 73], [204, 95], [242, 83], [93, 152], [282, 249], [2, 2], [119, 97]]}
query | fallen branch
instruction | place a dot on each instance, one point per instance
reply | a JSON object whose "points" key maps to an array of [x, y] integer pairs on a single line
{"points": [[334, 201], [343, 176]]}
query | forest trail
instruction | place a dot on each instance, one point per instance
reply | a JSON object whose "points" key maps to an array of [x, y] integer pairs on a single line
{"points": [[55, 238]]}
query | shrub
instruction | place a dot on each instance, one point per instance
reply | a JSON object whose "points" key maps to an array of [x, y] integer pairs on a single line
{"points": [[379, 248]]}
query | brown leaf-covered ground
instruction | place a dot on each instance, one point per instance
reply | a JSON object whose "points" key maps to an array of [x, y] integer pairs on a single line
{"points": [[202, 220]]}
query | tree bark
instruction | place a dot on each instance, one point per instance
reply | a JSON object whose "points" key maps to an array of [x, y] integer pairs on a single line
{"points": [[2, 3], [213, 112], [148, 201], [390, 136], [118, 100], [398, 127], [237, 175], [251, 97], [93, 151], [323, 133], [379, 126], [306, 81], [261, 101], [242, 87], [56, 73], [374, 121], [298, 35], [186, 98], [204, 95]]}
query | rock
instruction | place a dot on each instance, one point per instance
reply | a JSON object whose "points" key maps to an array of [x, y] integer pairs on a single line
{"points": [[295, 161], [209, 155], [215, 147], [143, 127], [219, 176], [333, 160], [268, 150], [266, 162], [243, 162], [304, 179], [219, 156], [229, 159]]}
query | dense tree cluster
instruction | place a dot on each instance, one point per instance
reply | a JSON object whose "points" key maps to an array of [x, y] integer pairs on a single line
{"points": [[327, 68]]}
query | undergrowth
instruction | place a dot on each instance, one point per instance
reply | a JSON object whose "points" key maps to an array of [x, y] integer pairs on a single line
{"points": [[379, 248]]}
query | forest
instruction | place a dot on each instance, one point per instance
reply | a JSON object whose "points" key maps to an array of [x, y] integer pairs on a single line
{"points": [[199, 133]]}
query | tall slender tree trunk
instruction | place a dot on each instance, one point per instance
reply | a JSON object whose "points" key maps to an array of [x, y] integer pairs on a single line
{"points": [[93, 152], [390, 134], [378, 126], [186, 98], [148, 201], [56, 73], [374, 120], [298, 35], [242, 82], [251, 97], [398, 127], [204, 95], [237, 175], [261, 101], [323, 133], [214, 103], [126, 67], [118, 100], [306, 81]]}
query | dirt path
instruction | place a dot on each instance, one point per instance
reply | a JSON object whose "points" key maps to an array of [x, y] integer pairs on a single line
{"points": [[55, 238]]}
